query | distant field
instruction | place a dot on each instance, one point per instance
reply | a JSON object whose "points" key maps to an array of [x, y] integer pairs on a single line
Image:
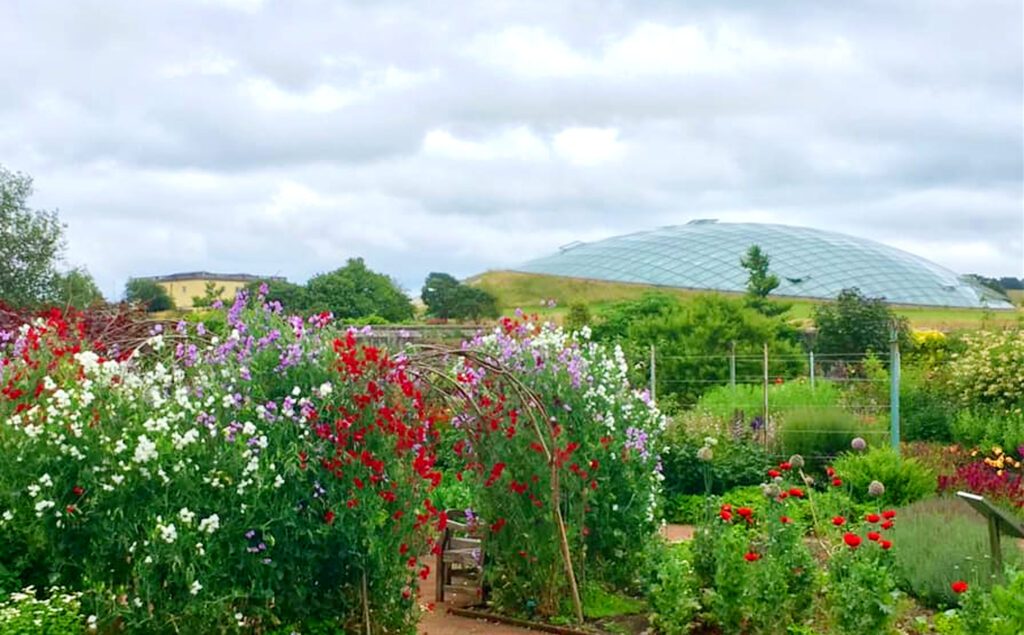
{"points": [[529, 291]]}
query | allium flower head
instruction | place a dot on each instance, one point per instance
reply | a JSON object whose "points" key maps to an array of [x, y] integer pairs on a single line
{"points": [[858, 444], [797, 462], [876, 489], [705, 454]]}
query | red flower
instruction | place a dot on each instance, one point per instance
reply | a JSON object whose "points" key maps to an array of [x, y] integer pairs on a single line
{"points": [[889, 514], [498, 524], [837, 482], [885, 544], [886, 525], [874, 536], [403, 549], [745, 512], [774, 473], [329, 517], [783, 495], [726, 515], [785, 466], [784, 520], [873, 518], [830, 471], [796, 491], [838, 521], [727, 507], [78, 491], [751, 556], [70, 509], [959, 586], [424, 572], [853, 540]]}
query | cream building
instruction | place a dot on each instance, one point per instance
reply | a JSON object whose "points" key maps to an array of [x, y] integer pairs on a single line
{"points": [[185, 287]]}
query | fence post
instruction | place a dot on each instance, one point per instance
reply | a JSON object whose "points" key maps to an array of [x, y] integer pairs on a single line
{"points": [[653, 376], [812, 371], [894, 389], [764, 427], [732, 365]]}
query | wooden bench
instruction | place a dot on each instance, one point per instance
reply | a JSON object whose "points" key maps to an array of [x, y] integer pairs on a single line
{"points": [[460, 560]]}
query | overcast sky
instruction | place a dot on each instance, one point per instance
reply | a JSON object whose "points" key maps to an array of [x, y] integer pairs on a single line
{"points": [[283, 137]]}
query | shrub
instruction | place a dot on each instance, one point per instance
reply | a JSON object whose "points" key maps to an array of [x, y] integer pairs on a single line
{"points": [[735, 464], [23, 613], [818, 434], [905, 479], [860, 588], [998, 478], [987, 373], [1000, 612], [941, 540], [981, 426], [926, 411], [673, 594]]}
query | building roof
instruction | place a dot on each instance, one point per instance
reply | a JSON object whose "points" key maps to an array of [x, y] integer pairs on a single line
{"points": [[206, 275], [810, 263]]}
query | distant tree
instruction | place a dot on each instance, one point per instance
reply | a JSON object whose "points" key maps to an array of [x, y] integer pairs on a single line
{"points": [[855, 324], [614, 321], [473, 303], [1008, 282], [211, 293], [75, 288], [354, 292], [149, 293], [31, 242], [761, 283], [578, 316], [293, 297], [439, 294]]}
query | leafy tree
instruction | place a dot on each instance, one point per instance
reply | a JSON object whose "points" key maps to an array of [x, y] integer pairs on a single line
{"points": [[1010, 282], [293, 297], [75, 288], [439, 294], [31, 242], [855, 324], [354, 292], [578, 316], [211, 293], [761, 283], [149, 293], [447, 298]]}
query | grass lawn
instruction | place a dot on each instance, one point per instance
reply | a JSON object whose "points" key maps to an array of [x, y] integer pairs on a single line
{"points": [[528, 291]]}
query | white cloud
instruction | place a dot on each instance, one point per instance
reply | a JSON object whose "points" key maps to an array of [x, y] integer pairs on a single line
{"points": [[517, 143], [588, 146]]}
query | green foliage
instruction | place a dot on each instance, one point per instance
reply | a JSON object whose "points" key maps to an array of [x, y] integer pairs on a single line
{"points": [[761, 283], [673, 593], [988, 427], [354, 291], [599, 602], [446, 298], [820, 433], [149, 293], [693, 341], [905, 479], [59, 613], [293, 297], [939, 541], [211, 293], [987, 373], [861, 589], [735, 463], [31, 242], [578, 316], [855, 324], [75, 288], [927, 411]]}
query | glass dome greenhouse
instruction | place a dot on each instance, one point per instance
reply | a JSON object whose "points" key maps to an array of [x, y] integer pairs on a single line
{"points": [[810, 263]]}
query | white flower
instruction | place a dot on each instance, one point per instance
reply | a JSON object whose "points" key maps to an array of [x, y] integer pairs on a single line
{"points": [[195, 588], [296, 391], [91, 622], [169, 533], [326, 389], [210, 524], [8, 515], [186, 516], [148, 560], [45, 480], [145, 451], [278, 481], [200, 549]]}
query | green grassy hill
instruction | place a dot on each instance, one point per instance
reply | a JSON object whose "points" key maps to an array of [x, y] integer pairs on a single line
{"points": [[530, 292]]}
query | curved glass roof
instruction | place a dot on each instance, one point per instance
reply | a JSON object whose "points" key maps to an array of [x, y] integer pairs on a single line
{"points": [[811, 263]]}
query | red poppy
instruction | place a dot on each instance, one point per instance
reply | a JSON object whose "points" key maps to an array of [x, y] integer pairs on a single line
{"points": [[70, 509], [784, 520], [783, 496], [796, 491], [959, 586], [874, 536], [78, 490], [885, 544], [774, 473], [886, 525], [785, 466], [853, 540], [751, 556], [726, 515], [873, 518], [329, 517], [837, 482], [889, 514], [838, 521], [727, 507], [830, 471], [745, 512]]}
